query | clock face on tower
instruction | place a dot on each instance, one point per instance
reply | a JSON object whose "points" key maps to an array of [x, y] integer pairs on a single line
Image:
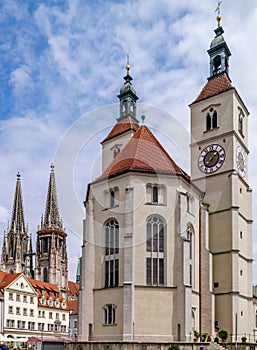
{"points": [[240, 161], [211, 158]]}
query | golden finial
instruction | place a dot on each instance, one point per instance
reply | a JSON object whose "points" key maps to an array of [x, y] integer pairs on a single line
{"points": [[127, 65], [218, 10]]}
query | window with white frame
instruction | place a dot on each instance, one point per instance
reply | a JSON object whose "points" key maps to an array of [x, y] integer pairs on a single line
{"points": [[31, 325], [110, 314], [155, 241], [111, 253], [10, 323]]}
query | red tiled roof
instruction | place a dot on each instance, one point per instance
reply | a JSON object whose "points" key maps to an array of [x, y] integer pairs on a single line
{"points": [[122, 126], [214, 86], [73, 288], [7, 278], [73, 305], [143, 153]]}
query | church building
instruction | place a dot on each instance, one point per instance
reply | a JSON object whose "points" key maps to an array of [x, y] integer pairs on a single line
{"points": [[165, 254]]}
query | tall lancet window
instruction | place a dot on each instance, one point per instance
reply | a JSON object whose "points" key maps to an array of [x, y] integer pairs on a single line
{"points": [[111, 253], [155, 242]]}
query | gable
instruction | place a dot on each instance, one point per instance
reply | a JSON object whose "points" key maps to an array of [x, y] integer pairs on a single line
{"points": [[21, 284]]}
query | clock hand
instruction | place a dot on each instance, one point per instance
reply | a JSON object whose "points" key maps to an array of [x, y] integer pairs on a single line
{"points": [[211, 157]]}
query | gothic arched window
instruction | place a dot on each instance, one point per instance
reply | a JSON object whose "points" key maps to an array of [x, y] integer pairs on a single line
{"points": [[155, 241], [111, 253], [211, 119]]}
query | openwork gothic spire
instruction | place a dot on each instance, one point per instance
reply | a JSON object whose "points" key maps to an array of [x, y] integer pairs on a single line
{"points": [[18, 221], [51, 218]]}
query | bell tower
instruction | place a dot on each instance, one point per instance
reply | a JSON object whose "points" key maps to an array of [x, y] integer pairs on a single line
{"points": [[127, 123], [51, 246], [219, 167]]}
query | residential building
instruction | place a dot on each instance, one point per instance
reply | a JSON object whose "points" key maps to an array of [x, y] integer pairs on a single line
{"points": [[32, 307]]}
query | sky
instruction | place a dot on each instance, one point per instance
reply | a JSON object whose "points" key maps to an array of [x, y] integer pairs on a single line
{"points": [[62, 64]]}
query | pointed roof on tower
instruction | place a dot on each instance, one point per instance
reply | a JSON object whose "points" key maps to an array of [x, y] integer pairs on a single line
{"points": [[18, 222], [215, 86], [51, 219], [143, 153]]}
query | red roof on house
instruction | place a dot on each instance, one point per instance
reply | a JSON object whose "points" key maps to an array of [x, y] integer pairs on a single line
{"points": [[7, 278], [215, 86], [122, 126], [72, 305], [73, 288], [143, 153]]}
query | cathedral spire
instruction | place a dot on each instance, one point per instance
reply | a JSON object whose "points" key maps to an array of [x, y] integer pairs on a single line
{"points": [[51, 218], [15, 244], [17, 221], [127, 97]]}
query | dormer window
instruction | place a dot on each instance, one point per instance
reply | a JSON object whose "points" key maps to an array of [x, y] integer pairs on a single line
{"points": [[211, 119]]}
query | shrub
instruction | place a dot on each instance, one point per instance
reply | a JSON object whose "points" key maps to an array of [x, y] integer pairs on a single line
{"points": [[223, 334], [173, 347]]}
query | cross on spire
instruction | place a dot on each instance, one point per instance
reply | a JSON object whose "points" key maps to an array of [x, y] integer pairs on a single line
{"points": [[218, 10]]}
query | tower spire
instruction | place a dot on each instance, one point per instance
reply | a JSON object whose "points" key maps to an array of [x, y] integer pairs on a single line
{"points": [[15, 244], [51, 247], [127, 96], [17, 221], [219, 52], [52, 217]]}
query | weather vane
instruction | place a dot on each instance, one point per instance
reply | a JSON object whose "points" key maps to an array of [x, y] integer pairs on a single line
{"points": [[218, 10]]}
